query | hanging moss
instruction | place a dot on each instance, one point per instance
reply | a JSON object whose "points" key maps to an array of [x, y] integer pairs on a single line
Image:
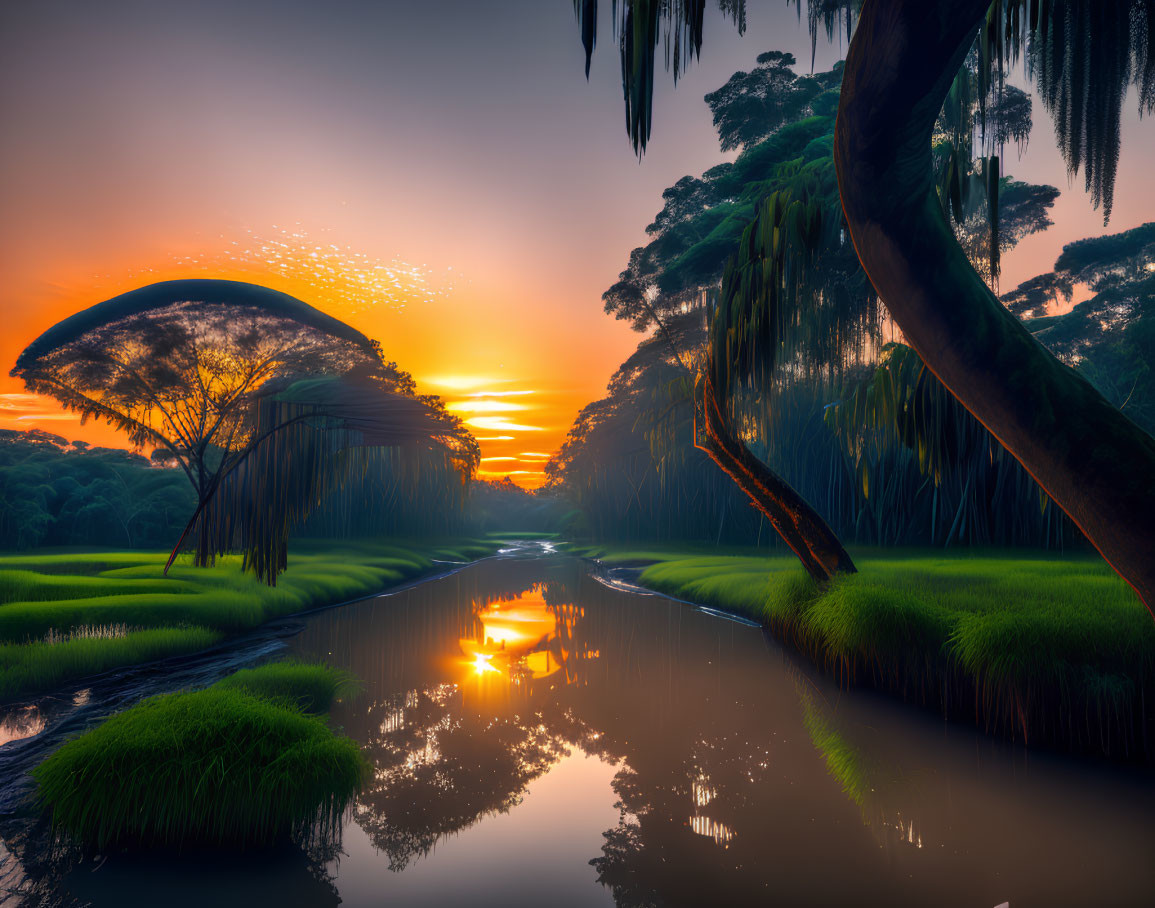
{"points": [[311, 440]]}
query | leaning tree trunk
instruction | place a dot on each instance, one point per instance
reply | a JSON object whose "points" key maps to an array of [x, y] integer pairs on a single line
{"points": [[799, 525], [1092, 460]]}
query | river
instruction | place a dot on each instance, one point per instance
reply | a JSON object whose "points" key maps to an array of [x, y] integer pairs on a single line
{"points": [[540, 737]]}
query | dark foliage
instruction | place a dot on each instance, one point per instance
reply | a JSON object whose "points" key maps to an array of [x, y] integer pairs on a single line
{"points": [[1084, 55], [176, 365], [785, 347], [202, 370], [753, 105], [53, 492], [311, 440], [1110, 336]]}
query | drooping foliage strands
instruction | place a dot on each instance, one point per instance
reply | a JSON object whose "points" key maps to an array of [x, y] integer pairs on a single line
{"points": [[829, 329], [627, 481], [638, 28], [312, 439], [1084, 54], [762, 286], [759, 289], [979, 493]]}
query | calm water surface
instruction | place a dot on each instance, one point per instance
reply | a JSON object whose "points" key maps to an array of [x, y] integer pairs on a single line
{"points": [[538, 738]]}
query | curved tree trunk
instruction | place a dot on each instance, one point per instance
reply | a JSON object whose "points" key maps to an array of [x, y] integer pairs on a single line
{"points": [[1092, 460], [799, 525]]}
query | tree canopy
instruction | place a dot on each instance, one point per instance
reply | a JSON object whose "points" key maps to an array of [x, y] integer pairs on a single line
{"points": [[175, 364], [1110, 335], [753, 105], [628, 460], [257, 396]]}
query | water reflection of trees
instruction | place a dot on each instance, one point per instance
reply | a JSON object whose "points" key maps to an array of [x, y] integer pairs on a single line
{"points": [[457, 718], [462, 742], [739, 779], [36, 872], [439, 766]]}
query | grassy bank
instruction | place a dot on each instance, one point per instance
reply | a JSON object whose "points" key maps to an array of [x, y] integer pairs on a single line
{"points": [[248, 761], [1048, 650], [64, 616]]}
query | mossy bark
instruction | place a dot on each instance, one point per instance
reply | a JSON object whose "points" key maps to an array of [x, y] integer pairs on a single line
{"points": [[800, 526], [1092, 460]]}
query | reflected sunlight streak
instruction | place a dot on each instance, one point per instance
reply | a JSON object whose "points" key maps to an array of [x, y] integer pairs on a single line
{"points": [[483, 406], [500, 424]]}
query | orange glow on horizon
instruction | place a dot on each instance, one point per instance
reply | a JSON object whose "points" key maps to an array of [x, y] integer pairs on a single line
{"points": [[499, 424], [419, 322], [483, 406], [449, 239], [461, 382]]}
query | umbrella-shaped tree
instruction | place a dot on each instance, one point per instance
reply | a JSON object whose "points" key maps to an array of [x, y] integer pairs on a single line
{"points": [[182, 366]]}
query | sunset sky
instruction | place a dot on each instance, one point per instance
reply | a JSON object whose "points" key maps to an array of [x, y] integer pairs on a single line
{"points": [[438, 174]]}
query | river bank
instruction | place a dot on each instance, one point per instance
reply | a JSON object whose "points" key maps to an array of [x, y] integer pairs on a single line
{"points": [[1046, 650], [65, 616]]}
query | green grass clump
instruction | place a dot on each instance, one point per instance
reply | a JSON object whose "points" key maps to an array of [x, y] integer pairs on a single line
{"points": [[44, 666], [225, 610], [1058, 650], [87, 563], [309, 687], [217, 767]]}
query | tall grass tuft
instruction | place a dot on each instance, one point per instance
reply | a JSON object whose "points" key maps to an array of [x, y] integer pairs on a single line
{"points": [[217, 767], [26, 668], [309, 687], [89, 632]]}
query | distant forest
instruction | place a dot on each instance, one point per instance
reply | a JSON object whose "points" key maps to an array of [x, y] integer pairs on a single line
{"points": [[54, 492]]}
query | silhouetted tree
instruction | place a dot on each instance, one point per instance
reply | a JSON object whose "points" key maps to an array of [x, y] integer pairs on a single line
{"points": [[794, 304], [1110, 336], [175, 365], [212, 374], [903, 61], [309, 440]]}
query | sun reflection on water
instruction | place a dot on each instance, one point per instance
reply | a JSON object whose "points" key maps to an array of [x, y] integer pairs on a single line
{"points": [[521, 640]]}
